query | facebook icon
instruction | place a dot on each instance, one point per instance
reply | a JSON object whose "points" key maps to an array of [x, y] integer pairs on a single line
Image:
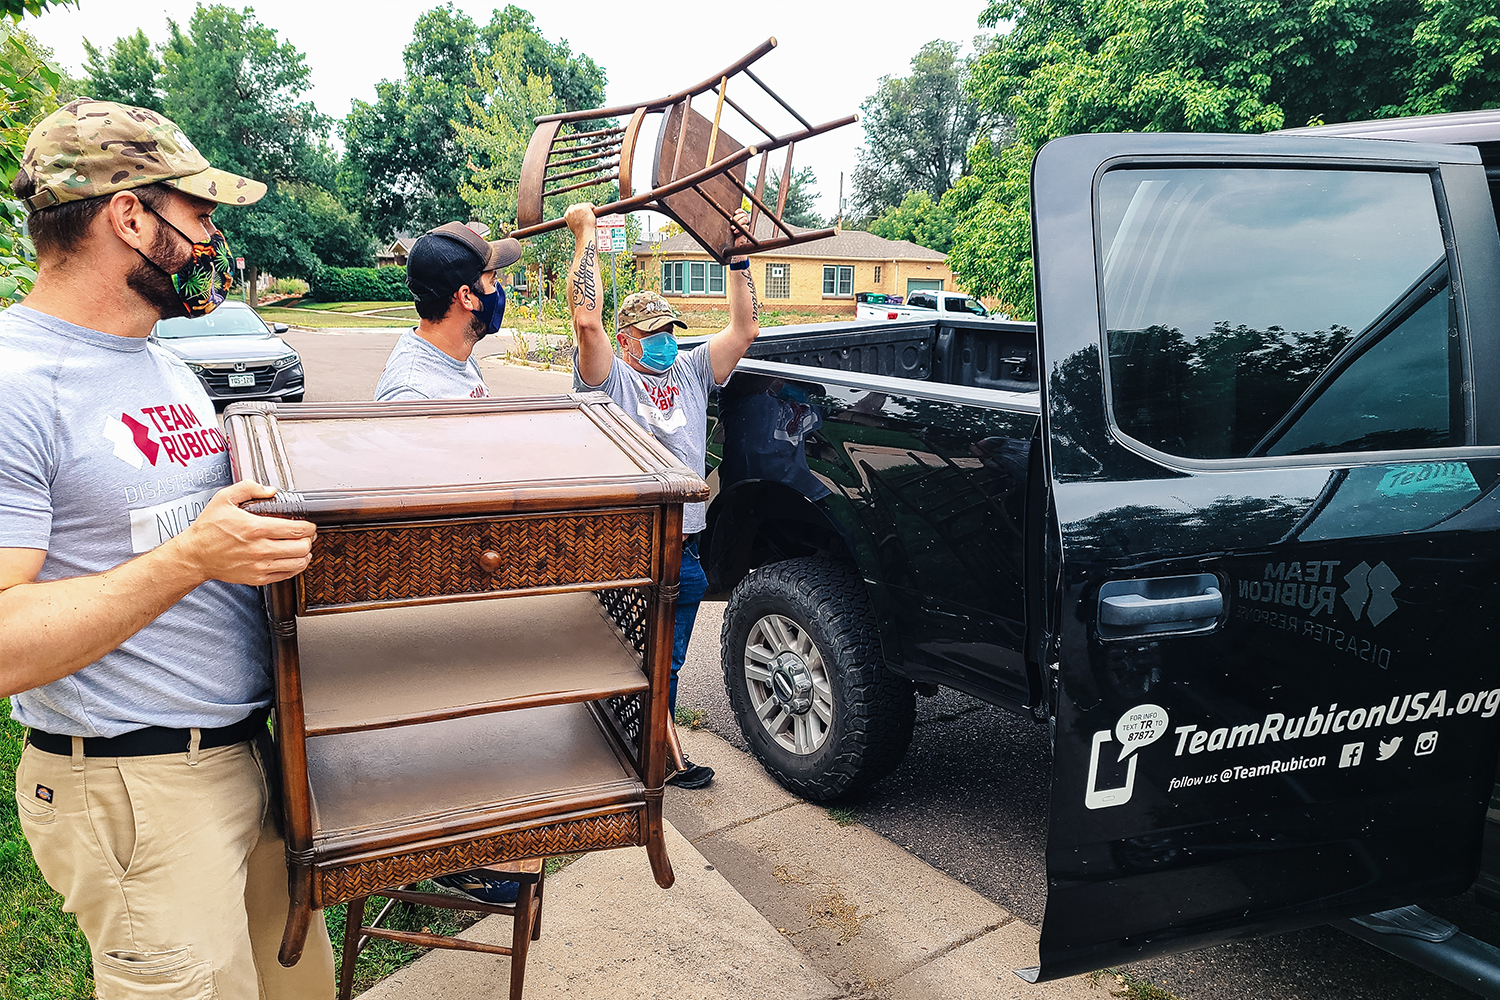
{"points": [[1353, 753]]}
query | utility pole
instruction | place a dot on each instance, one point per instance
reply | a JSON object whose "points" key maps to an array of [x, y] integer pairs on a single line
{"points": [[840, 224]]}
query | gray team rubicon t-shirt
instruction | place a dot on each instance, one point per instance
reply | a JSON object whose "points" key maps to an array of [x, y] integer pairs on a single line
{"points": [[418, 370], [672, 407], [110, 448]]}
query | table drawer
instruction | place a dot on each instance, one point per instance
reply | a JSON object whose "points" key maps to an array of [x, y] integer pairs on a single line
{"points": [[390, 564]]}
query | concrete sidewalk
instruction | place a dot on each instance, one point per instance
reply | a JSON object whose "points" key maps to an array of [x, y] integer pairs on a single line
{"points": [[773, 898]]}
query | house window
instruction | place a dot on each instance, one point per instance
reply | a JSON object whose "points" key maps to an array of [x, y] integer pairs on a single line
{"points": [[877, 274], [838, 280], [673, 277], [778, 281], [692, 277]]}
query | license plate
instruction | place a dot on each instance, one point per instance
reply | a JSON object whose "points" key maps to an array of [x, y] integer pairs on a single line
{"points": [[245, 381]]}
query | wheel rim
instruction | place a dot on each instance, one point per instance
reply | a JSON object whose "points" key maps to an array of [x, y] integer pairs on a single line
{"points": [[788, 683]]}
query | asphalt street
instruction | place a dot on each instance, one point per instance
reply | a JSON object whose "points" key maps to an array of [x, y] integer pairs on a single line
{"points": [[971, 796]]}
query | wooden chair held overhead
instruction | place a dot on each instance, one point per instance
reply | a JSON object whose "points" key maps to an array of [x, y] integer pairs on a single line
{"points": [[698, 173]]}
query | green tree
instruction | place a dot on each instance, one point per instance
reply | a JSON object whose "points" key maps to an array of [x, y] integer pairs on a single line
{"points": [[509, 97], [405, 158], [130, 72], [28, 92], [236, 88], [919, 220], [577, 80], [800, 197], [1071, 66], [917, 129]]}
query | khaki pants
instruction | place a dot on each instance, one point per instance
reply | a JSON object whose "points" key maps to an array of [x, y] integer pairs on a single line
{"points": [[174, 870]]}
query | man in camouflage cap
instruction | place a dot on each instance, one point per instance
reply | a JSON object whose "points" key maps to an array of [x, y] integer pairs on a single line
{"points": [[666, 392], [135, 646]]}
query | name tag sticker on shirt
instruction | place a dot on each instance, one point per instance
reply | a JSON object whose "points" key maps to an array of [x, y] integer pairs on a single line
{"points": [[150, 526]]}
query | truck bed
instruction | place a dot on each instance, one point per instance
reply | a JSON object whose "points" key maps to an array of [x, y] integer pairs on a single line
{"points": [[982, 355]]}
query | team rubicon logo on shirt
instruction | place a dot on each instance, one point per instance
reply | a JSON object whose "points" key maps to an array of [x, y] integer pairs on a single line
{"points": [[662, 414], [170, 434]]}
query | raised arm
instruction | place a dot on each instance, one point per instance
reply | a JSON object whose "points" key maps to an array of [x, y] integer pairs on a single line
{"points": [[50, 630], [730, 344], [586, 298]]}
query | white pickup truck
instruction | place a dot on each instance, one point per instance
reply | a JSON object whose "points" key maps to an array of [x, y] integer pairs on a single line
{"points": [[920, 306]]}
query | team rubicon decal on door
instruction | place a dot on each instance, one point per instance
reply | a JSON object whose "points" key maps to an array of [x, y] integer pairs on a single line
{"points": [[1304, 598], [1112, 778]]}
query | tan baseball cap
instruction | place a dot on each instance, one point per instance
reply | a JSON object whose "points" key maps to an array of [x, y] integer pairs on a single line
{"points": [[648, 311], [89, 148]]}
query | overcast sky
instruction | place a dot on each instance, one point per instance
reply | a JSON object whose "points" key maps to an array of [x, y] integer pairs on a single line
{"points": [[831, 56]]}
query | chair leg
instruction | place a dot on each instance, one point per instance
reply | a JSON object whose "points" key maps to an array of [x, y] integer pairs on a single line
{"points": [[536, 920], [520, 937], [354, 918]]}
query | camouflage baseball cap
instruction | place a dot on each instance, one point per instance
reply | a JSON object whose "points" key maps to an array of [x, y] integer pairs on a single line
{"points": [[89, 148], [648, 311]]}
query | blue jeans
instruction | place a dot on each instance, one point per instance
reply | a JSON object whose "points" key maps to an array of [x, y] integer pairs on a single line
{"points": [[693, 585]]}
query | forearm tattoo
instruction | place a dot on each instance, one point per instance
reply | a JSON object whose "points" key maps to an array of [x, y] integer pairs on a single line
{"points": [[585, 291], [754, 302]]}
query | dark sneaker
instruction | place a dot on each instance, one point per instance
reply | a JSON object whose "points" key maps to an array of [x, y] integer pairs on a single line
{"points": [[487, 887], [693, 776]]}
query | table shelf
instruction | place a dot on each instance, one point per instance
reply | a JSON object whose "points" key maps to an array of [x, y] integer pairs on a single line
{"points": [[441, 778], [376, 669]]}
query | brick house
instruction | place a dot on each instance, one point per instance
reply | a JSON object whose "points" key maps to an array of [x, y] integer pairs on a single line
{"points": [[817, 277]]}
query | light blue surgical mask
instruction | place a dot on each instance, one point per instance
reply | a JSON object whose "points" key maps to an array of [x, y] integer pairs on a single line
{"points": [[658, 350]]}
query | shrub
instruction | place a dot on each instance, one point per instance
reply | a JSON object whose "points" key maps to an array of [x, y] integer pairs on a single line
{"points": [[359, 284], [288, 286]]}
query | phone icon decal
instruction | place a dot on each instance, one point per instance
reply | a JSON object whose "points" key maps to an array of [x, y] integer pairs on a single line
{"points": [[1095, 797]]}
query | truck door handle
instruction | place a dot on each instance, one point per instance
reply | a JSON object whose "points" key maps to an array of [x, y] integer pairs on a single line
{"points": [[1135, 610]]}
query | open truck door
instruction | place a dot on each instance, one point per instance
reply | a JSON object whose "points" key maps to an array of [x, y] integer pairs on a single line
{"points": [[1272, 420]]}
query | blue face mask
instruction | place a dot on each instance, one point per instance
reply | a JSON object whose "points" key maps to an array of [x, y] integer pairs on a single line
{"points": [[658, 351], [493, 312]]}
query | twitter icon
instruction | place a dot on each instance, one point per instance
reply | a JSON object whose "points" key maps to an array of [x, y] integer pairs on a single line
{"points": [[1388, 748]]}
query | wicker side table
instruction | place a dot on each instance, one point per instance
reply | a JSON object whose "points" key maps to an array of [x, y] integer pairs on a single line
{"points": [[474, 667]]}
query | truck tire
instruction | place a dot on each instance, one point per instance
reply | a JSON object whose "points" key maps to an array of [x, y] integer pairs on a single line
{"points": [[805, 677]]}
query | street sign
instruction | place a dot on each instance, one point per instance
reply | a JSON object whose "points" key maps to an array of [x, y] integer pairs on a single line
{"points": [[239, 263], [611, 233]]}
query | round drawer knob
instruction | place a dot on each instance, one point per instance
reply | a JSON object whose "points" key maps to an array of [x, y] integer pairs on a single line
{"points": [[489, 560]]}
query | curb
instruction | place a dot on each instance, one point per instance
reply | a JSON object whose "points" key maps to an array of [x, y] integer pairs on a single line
{"points": [[873, 918]]}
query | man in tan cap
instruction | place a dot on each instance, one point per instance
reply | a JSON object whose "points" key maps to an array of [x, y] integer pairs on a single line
{"points": [[452, 272], [132, 639], [666, 392]]}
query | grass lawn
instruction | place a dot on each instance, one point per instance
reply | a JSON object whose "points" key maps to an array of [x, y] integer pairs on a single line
{"points": [[43, 956], [348, 307], [718, 319], [308, 317], [42, 953]]}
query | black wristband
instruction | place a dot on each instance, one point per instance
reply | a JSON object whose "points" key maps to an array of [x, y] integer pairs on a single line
{"points": [[743, 265]]}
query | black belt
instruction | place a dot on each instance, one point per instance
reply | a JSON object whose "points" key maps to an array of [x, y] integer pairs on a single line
{"points": [[153, 740]]}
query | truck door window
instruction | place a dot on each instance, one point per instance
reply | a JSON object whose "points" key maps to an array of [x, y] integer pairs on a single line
{"points": [[921, 302], [1265, 311]]}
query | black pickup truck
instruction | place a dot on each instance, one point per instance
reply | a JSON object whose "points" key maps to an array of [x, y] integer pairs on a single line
{"points": [[1227, 519]]}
